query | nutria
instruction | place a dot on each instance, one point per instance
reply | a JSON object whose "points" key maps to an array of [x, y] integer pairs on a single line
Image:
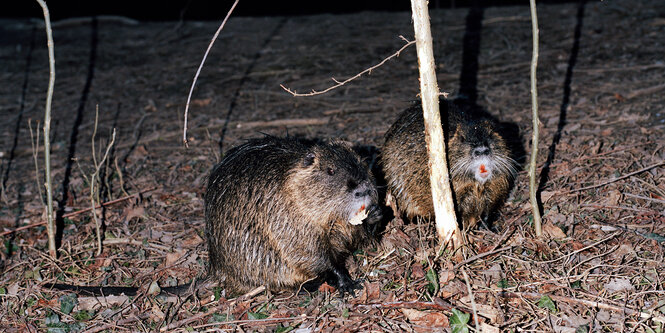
{"points": [[282, 211], [479, 161]]}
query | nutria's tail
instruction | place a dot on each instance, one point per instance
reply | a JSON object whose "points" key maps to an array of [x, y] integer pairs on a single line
{"points": [[180, 290]]}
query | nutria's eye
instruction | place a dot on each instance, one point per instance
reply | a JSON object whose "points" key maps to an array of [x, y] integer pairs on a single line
{"points": [[331, 171], [309, 159]]}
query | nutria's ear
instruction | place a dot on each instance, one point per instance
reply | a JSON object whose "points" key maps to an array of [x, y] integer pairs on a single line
{"points": [[340, 142], [309, 159]]}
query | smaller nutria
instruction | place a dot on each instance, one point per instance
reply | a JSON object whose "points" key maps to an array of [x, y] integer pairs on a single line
{"points": [[282, 211], [481, 168]]}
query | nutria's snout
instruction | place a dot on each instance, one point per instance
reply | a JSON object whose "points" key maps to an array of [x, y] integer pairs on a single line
{"points": [[364, 196], [480, 151]]}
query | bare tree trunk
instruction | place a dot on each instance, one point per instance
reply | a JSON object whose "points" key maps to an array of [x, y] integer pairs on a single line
{"points": [[444, 209], [50, 225], [536, 122]]}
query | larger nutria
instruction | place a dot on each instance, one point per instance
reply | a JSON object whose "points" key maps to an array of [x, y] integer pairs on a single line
{"points": [[481, 168], [282, 211]]}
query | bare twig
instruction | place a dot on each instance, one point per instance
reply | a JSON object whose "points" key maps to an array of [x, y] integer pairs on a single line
{"points": [[341, 83], [644, 198], [50, 226], [593, 304], [35, 154], [481, 255], [285, 122], [198, 71], [93, 180], [619, 178], [444, 209], [580, 250], [212, 310], [473, 302], [108, 203], [408, 305], [646, 91], [537, 224]]}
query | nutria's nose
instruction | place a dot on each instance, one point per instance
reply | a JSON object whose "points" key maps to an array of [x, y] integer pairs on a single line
{"points": [[480, 151], [361, 192]]}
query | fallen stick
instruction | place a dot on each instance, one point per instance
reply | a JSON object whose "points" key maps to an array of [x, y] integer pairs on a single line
{"points": [[283, 122], [593, 304], [212, 310], [646, 91], [250, 322], [618, 179], [437, 305], [108, 203]]}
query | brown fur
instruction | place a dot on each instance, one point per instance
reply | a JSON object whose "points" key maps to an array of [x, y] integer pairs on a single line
{"points": [[467, 131], [278, 209]]}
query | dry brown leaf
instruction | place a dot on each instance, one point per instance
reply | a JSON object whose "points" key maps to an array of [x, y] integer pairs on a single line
{"points": [[417, 271], [618, 284], [613, 198], [173, 257], [133, 212], [446, 274], [546, 195], [200, 102], [487, 328], [493, 273], [192, 241], [429, 319], [553, 231], [454, 287], [94, 303], [483, 310], [372, 290]]}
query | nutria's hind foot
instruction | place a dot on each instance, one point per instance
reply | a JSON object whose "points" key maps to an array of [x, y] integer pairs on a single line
{"points": [[340, 278]]}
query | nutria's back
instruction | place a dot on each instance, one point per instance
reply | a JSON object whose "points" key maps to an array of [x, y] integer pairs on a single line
{"points": [[480, 166], [278, 211]]}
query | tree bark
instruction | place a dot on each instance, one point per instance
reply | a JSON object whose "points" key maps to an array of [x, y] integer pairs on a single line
{"points": [[536, 122], [444, 209], [50, 225]]}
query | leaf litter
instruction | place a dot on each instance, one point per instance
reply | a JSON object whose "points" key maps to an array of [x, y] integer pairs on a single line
{"points": [[600, 266]]}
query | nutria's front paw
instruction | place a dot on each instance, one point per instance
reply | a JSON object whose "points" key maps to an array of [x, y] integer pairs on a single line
{"points": [[374, 215]]}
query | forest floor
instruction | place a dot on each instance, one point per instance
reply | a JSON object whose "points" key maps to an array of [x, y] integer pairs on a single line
{"points": [[599, 268]]}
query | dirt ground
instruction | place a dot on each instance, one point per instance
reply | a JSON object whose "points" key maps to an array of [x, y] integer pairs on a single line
{"points": [[599, 268]]}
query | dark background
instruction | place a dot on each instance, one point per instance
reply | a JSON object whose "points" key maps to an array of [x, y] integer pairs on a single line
{"points": [[163, 10]]}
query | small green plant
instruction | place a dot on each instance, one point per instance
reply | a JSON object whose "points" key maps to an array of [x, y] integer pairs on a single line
{"points": [[546, 302], [459, 321]]}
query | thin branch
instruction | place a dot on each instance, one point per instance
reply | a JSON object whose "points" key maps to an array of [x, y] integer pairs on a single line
{"points": [[481, 255], [93, 192], [50, 226], [617, 179], [341, 83], [593, 304], [284, 122], [198, 71], [473, 302], [78, 212], [533, 186], [35, 154], [212, 310]]}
